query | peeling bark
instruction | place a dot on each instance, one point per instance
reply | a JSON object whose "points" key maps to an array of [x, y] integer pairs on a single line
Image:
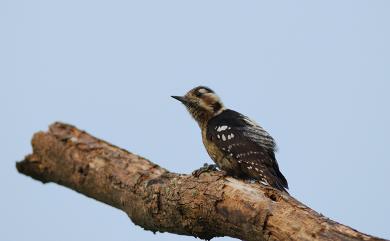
{"points": [[207, 206]]}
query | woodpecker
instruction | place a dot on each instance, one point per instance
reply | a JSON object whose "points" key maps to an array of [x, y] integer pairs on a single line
{"points": [[237, 144]]}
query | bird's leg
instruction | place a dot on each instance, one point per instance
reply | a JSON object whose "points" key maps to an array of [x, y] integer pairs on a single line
{"points": [[206, 168]]}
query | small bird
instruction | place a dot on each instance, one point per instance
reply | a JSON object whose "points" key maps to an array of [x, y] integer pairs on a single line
{"points": [[237, 144]]}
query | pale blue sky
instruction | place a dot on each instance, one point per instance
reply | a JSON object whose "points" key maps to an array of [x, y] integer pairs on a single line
{"points": [[315, 74]]}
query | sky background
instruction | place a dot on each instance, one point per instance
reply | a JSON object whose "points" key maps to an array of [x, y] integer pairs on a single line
{"points": [[315, 74]]}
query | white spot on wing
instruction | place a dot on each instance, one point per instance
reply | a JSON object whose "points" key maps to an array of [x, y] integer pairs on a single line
{"points": [[202, 91], [222, 128], [223, 137], [264, 182]]}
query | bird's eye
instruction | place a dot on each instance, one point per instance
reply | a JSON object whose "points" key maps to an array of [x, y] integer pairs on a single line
{"points": [[198, 94]]}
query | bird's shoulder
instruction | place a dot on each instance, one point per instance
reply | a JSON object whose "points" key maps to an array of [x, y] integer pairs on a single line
{"points": [[230, 124]]}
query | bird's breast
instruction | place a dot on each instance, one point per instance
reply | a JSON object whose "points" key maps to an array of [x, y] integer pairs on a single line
{"points": [[224, 162]]}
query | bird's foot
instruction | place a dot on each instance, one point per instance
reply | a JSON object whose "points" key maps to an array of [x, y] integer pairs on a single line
{"points": [[206, 168]]}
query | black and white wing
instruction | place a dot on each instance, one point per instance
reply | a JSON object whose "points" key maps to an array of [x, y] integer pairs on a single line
{"points": [[249, 145]]}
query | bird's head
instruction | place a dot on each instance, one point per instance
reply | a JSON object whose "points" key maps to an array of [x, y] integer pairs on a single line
{"points": [[202, 103]]}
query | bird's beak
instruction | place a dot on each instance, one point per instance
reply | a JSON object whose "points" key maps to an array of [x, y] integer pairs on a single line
{"points": [[181, 99]]}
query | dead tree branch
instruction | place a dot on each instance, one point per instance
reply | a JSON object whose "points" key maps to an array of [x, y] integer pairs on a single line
{"points": [[158, 200]]}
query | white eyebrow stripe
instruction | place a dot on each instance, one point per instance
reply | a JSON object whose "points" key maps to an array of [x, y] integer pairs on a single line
{"points": [[202, 91]]}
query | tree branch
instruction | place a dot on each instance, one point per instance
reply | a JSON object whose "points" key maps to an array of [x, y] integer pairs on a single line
{"points": [[158, 200]]}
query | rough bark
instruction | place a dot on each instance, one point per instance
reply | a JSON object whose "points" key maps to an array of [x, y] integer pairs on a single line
{"points": [[207, 206]]}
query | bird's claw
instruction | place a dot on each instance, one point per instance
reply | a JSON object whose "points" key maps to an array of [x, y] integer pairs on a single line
{"points": [[206, 168]]}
